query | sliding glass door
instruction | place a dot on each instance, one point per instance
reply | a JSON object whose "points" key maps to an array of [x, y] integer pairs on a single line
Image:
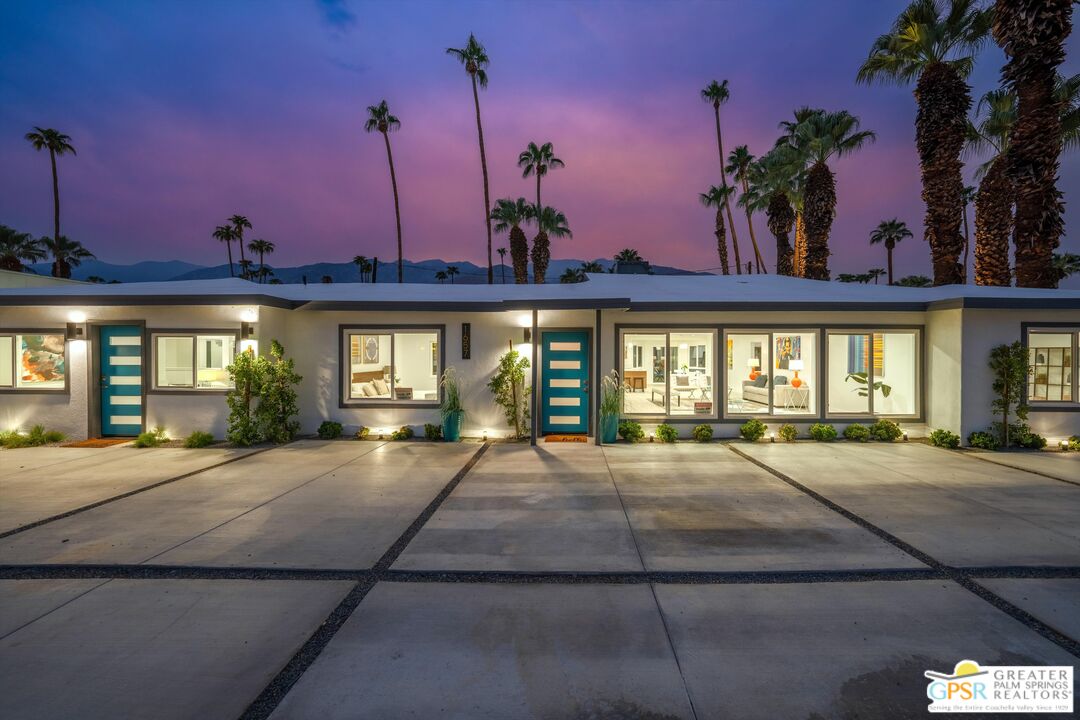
{"points": [[669, 373], [771, 373]]}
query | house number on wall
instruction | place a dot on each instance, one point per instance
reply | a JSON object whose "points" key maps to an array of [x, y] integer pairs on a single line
{"points": [[466, 340]]}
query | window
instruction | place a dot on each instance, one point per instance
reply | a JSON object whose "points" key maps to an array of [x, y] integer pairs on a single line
{"points": [[874, 373], [669, 373], [393, 365], [1052, 366], [33, 361], [194, 362], [771, 373]]}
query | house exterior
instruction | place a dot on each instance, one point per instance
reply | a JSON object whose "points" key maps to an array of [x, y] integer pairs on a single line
{"points": [[93, 360]]}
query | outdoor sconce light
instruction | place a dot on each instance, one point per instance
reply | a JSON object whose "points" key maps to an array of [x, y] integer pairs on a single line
{"points": [[76, 331], [905, 437], [247, 330], [772, 437], [1064, 444], [528, 335]]}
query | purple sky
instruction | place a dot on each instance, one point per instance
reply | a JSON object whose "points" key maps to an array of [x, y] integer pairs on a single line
{"points": [[186, 112]]}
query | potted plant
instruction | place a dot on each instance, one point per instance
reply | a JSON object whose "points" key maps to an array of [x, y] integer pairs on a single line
{"points": [[611, 399], [452, 411]]}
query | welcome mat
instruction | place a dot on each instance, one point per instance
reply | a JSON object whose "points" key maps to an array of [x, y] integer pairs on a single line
{"points": [[567, 438], [97, 442]]}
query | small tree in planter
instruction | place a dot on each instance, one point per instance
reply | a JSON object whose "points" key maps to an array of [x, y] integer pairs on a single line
{"points": [[1009, 364], [508, 386], [611, 401], [278, 405], [248, 373], [451, 409]]}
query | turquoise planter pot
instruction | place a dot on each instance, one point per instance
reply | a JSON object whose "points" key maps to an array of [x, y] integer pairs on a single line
{"points": [[609, 428], [451, 429]]}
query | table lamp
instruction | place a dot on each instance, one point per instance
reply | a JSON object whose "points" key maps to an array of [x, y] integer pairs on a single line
{"points": [[796, 365], [753, 364]]}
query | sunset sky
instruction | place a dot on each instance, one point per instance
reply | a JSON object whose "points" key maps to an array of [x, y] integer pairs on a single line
{"points": [[186, 112]]}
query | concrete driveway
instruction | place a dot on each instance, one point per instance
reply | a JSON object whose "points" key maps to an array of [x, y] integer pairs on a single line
{"points": [[346, 579]]}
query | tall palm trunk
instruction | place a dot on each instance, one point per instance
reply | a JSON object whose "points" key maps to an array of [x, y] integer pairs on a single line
{"points": [[61, 268], [967, 246], [759, 261], [993, 224], [723, 184], [889, 247], [1033, 33], [228, 246], [781, 219], [799, 260], [940, 131], [819, 209], [483, 167], [541, 256], [519, 255], [397, 209], [56, 197], [721, 242]]}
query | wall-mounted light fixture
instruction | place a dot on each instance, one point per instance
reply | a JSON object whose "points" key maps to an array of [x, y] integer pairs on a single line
{"points": [[247, 330], [76, 331], [527, 335]]}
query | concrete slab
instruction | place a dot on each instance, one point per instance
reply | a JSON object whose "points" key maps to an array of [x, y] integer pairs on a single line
{"points": [[23, 601], [56, 480], [345, 519], [959, 510], [1065, 466], [835, 650], [160, 648], [1055, 602], [143, 526], [495, 651], [546, 508], [704, 508]]}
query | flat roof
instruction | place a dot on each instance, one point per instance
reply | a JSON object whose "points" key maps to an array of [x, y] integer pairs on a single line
{"points": [[602, 290]]}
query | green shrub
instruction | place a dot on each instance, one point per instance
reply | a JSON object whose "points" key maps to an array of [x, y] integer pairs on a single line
{"points": [[983, 439], [857, 432], [945, 439], [511, 392], [885, 430], [199, 439], [823, 432], [630, 431], [38, 435], [272, 382], [703, 433], [432, 432], [152, 439], [329, 430], [1073, 444], [788, 432], [752, 430], [14, 440], [403, 433], [362, 433], [666, 433], [1031, 440]]}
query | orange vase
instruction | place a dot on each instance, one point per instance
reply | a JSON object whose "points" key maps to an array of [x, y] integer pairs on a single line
{"points": [[796, 382]]}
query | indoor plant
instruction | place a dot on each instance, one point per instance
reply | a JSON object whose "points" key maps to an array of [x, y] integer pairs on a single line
{"points": [[611, 396], [452, 411]]}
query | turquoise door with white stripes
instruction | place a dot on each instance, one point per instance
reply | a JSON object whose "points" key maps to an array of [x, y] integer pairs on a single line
{"points": [[564, 381], [120, 363]]}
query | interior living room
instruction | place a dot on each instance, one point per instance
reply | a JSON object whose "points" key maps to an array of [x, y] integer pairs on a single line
{"points": [[770, 373], [669, 373]]}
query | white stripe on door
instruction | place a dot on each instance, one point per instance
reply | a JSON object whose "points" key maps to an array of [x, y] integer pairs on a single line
{"points": [[125, 340], [572, 401], [564, 420], [125, 400], [565, 364], [564, 383], [126, 380], [126, 420], [125, 360], [570, 346]]}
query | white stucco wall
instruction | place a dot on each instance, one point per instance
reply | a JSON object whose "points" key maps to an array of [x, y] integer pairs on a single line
{"points": [[944, 370]]}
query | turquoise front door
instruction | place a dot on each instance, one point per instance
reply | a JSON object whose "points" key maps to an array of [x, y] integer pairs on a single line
{"points": [[120, 363], [564, 381]]}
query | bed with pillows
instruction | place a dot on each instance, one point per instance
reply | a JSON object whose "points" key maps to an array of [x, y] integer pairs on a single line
{"points": [[370, 385]]}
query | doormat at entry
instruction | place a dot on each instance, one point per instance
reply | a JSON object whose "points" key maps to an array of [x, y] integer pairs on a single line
{"points": [[97, 443], [566, 438]]}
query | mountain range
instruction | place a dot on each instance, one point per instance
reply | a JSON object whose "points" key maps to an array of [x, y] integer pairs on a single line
{"points": [[422, 271]]}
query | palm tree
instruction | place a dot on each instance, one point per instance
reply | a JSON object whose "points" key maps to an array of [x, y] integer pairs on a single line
{"points": [[326, 279], [96, 279], [995, 118], [717, 94], [66, 254], [239, 223], [592, 266], [57, 143], [15, 247], [262, 247], [817, 138], [550, 223], [510, 215], [1065, 265], [441, 276], [475, 59], [935, 41], [774, 186], [226, 234], [875, 273], [968, 198], [502, 263], [451, 271], [915, 281], [1032, 33], [537, 161], [628, 255], [245, 268], [716, 197], [361, 264], [572, 275], [888, 233], [380, 120], [739, 163], [797, 160]]}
